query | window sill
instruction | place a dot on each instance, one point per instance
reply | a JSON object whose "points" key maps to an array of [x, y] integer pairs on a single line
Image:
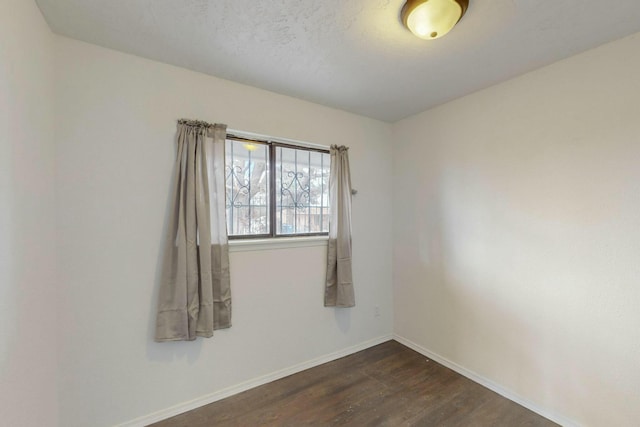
{"points": [[276, 243]]}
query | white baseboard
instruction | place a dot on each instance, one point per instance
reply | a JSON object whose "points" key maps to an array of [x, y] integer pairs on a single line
{"points": [[556, 418], [247, 385]]}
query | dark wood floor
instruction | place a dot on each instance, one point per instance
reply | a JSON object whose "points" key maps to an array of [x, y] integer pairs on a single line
{"points": [[386, 385]]}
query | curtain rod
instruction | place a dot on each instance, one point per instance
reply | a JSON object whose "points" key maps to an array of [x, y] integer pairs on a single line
{"points": [[196, 123], [269, 139], [253, 138], [276, 143], [256, 138]]}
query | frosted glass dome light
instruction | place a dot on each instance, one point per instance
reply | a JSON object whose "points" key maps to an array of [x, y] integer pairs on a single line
{"points": [[432, 19]]}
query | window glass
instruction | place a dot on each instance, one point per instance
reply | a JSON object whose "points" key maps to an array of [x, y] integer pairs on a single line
{"points": [[247, 185], [302, 191], [299, 202]]}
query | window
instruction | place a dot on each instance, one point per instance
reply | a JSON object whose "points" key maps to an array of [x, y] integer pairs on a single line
{"points": [[275, 189]]}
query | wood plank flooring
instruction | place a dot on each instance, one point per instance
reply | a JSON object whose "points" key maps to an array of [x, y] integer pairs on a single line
{"points": [[385, 385]]}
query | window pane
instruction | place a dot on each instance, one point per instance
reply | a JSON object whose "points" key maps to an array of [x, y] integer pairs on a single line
{"points": [[302, 191], [247, 185]]}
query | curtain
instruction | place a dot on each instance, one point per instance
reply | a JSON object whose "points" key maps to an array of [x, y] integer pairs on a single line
{"points": [[195, 296], [339, 286]]}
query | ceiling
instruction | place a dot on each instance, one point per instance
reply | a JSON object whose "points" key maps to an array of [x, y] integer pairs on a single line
{"points": [[353, 55]]}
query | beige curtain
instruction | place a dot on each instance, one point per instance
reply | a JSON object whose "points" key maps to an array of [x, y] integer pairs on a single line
{"points": [[195, 296], [339, 287]]}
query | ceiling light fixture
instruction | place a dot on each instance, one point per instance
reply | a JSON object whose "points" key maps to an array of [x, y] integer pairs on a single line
{"points": [[432, 19]]}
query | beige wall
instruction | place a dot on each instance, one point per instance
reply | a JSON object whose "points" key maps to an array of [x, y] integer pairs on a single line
{"points": [[517, 235], [116, 118], [28, 296]]}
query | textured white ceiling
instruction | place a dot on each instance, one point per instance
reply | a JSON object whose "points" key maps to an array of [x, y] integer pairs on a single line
{"points": [[350, 54]]}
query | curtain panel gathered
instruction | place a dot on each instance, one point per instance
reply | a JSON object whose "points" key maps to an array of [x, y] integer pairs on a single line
{"points": [[195, 295], [339, 287]]}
